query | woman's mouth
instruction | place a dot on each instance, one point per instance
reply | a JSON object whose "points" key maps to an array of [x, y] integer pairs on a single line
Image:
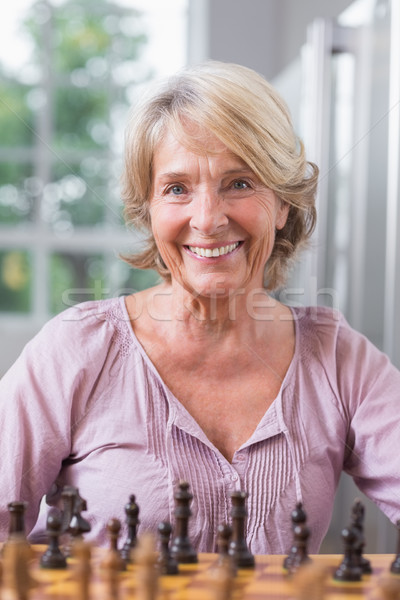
{"points": [[213, 252]]}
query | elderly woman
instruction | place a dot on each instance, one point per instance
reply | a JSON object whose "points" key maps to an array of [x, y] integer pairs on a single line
{"points": [[205, 377]]}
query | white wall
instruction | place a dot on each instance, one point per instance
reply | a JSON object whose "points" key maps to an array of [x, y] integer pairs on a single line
{"points": [[265, 35]]}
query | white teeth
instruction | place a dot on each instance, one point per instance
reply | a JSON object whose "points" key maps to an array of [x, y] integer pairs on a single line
{"points": [[208, 252]]}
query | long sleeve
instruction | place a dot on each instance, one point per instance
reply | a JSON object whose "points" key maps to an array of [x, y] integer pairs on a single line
{"points": [[42, 398]]}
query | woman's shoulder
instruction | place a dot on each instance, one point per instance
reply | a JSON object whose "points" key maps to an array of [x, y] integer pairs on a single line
{"points": [[86, 328]]}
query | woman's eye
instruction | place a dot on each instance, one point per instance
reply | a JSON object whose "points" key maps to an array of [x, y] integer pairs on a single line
{"points": [[240, 184], [176, 190]]}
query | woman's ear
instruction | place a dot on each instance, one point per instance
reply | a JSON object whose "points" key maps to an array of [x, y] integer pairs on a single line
{"points": [[282, 214]]}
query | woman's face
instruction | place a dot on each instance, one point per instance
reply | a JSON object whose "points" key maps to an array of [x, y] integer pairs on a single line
{"points": [[213, 221]]}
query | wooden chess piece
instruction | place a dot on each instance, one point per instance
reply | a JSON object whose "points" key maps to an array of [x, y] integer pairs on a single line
{"points": [[222, 580], [238, 549], [309, 582], [132, 520], [167, 563], [17, 577], [82, 554], [181, 548], [53, 558], [145, 559]]}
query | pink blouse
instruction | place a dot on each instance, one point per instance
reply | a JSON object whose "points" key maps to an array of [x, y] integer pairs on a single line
{"points": [[84, 405]]}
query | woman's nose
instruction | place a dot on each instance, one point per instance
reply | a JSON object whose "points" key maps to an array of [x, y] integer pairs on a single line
{"points": [[208, 214]]}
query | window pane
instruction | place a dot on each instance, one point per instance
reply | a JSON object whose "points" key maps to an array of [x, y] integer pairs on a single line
{"points": [[16, 116], [80, 120], [15, 281], [18, 193], [78, 196], [126, 280], [75, 278]]}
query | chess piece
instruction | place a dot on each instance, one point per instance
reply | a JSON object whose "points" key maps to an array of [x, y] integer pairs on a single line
{"points": [[395, 566], [223, 541], [17, 577], [82, 569], [181, 548], [145, 558], [298, 517], [17, 518], [357, 521], [73, 523], [238, 549], [309, 581], [53, 558], [167, 563], [78, 524], [113, 558], [68, 496], [348, 570], [222, 580], [298, 553], [132, 520]]}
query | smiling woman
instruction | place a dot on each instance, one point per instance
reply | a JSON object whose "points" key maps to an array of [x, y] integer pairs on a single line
{"points": [[202, 105], [205, 377]]}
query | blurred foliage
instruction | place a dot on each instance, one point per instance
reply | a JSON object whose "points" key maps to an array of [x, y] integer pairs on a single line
{"points": [[15, 281], [62, 107]]}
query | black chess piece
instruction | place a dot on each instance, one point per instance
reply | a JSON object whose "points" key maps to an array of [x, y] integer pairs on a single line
{"points": [[238, 549], [223, 541], [348, 570], [113, 530], [68, 496], [298, 517], [17, 511], [78, 525], [73, 523], [395, 566], [167, 563], [53, 558], [357, 521], [298, 553], [132, 520], [181, 548]]}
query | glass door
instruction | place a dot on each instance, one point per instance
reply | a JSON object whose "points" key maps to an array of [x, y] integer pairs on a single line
{"points": [[349, 75]]}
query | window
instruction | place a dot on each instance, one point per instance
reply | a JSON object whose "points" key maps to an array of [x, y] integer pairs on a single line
{"points": [[64, 96]]}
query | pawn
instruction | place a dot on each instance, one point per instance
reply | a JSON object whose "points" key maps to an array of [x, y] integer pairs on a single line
{"points": [[16, 560], [167, 563], [82, 569], [145, 558], [223, 541], [53, 558], [113, 556], [395, 566], [17, 519], [298, 555], [348, 570], [132, 520]]}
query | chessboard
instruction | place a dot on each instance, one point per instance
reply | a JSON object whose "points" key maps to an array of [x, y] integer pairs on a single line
{"points": [[266, 581]]}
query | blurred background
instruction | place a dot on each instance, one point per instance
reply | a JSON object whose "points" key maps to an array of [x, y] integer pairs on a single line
{"points": [[69, 70]]}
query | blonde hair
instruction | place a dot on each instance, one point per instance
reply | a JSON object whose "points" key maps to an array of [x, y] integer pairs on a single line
{"points": [[243, 111]]}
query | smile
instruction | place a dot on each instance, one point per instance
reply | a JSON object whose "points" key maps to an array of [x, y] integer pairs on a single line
{"points": [[211, 252]]}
